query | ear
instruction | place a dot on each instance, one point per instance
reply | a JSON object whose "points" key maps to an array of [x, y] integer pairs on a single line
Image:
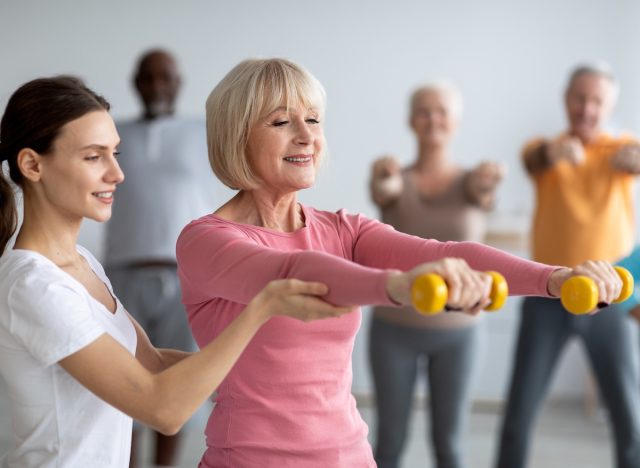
{"points": [[30, 164]]}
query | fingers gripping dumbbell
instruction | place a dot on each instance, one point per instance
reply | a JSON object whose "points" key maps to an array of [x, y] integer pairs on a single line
{"points": [[429, 293], [579, 294]]}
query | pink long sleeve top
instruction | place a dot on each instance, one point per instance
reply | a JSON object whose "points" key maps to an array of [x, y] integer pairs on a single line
{"points": [[287, 402]]}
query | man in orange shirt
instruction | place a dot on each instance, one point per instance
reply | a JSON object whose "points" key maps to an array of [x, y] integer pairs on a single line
{"points": [[584, 210]]}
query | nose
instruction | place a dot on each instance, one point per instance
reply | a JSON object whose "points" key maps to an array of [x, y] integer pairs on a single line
{"points": [[304, 134], [591, 108], [114, 173]]}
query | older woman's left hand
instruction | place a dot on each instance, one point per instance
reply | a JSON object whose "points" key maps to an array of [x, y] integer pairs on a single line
{"points": [[602, 273]]}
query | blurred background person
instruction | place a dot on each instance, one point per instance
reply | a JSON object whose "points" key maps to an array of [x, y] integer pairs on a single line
{"points": [[433, 198], [584, 181], [632, 263], [168, 184]]}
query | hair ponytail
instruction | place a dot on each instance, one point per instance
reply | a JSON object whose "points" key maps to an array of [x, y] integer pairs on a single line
{"points": [[8, 213]]}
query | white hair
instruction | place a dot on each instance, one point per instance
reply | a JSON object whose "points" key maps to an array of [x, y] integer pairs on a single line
{"points": [[443, 88]]}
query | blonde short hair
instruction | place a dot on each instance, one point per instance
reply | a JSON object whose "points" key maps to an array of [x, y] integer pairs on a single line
{"points": [[443, 88], [250, 91]]}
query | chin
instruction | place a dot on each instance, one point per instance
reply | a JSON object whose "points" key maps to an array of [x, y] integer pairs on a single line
{"points": [[305, 184], [99, 217]]}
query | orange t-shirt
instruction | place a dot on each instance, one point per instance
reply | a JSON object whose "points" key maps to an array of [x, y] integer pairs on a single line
{"points": [[585, 211]]}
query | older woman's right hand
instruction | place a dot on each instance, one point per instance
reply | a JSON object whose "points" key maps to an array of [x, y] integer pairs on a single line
{"points": [[468, 289], [294, 298]]}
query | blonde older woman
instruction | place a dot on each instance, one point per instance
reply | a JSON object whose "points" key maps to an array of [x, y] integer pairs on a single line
{"points": [[433, 198], [288, 400]]}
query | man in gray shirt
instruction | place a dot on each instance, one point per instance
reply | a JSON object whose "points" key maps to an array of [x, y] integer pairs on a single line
{"points": [[167, 184]]}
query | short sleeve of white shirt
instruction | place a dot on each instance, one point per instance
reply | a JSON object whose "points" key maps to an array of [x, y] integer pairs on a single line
{"points": [[49, 315]]}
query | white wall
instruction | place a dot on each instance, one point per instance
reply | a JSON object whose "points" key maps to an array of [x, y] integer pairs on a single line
{"points": [[510, 60]]}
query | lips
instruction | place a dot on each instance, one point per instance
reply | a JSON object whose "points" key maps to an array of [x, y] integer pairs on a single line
{"points": [[299, 158], [105, 196]]}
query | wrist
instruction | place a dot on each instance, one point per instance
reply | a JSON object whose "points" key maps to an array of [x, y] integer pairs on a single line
{"points": [[556, 279], [398, 287], [258, 311]]}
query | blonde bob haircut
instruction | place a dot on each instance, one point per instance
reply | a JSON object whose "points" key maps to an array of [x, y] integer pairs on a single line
{"points": [[248, 93]]}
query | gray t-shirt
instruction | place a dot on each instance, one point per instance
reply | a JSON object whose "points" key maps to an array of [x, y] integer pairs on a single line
{"points": [[168, 183], [448, 216]]}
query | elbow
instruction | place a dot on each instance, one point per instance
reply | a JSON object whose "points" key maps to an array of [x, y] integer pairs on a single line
{"points": [[169, 430], [167, 422]]}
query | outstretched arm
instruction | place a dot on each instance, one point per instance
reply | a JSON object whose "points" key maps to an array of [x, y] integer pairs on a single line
{"points": [[165, 397], [379, 245], [540, 155], [222, 262]]}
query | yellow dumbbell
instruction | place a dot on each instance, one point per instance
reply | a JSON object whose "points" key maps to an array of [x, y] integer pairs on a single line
{"points": [[429, 293], [579, 294]]}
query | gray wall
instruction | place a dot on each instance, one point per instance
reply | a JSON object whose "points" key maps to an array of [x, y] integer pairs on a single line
{"points": [[510, 60]]}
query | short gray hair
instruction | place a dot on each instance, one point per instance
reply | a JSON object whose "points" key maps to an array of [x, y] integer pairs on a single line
{"points": [[598, 68], [443, 88]]}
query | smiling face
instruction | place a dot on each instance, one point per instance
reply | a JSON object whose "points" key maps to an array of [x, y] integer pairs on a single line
{"points": [[79, 176], [589, 101], [284, 148], [433, 119]]}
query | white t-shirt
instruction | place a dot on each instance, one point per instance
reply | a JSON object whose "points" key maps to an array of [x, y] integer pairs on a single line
{"points": [[46, 315]]}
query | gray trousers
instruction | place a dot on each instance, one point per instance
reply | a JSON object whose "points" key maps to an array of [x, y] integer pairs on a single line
{"points": [[545, 328], [395, 352]]}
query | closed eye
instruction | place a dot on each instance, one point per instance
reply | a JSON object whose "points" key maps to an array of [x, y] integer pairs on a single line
{"points": [[280, 123]]}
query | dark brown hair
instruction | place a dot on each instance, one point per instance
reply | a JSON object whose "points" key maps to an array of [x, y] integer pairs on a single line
{"points": [[33, 118]]}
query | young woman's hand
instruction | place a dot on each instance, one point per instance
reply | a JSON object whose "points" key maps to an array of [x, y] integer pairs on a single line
{"points": [[468, 289], [294, 298]]}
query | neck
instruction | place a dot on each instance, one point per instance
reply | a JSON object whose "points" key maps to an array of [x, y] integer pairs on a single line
{"points": [[260, 208], [48, 234], [433, 158], [585, 138], [149, 117]]}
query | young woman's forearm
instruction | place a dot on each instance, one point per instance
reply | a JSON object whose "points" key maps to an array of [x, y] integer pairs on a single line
{"points": [[182, 388]]}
